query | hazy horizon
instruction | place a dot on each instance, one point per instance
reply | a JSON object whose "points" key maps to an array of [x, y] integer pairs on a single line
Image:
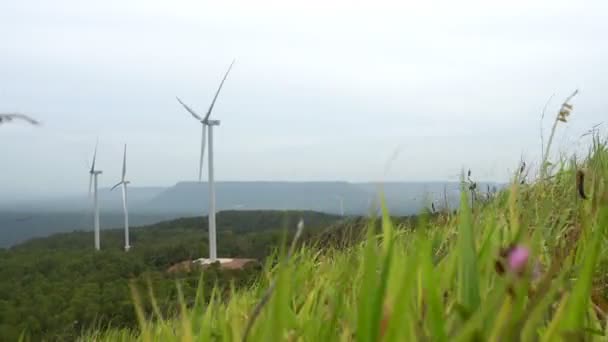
{"points": [[428, 89], [25, 198]]}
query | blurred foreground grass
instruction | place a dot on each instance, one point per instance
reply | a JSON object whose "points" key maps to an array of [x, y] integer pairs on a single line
{"points": [[528, 264]]}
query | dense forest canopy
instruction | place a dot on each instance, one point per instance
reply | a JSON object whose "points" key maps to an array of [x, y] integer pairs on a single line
{"points": [[54, 288]]}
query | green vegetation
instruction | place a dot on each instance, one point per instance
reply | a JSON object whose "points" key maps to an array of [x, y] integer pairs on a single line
{"points": [[529, 264], [55, 288]]}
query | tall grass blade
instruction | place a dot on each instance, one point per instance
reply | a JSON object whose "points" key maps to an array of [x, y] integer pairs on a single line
{"points": [[468, 277]]}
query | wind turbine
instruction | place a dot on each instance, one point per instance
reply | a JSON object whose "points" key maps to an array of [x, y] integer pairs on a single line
{"points": [[124, 184], [207, 125], [93, 181], [341, 202]]}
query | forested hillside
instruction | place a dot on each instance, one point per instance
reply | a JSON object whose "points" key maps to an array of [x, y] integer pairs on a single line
{"points": [[53, 288]]}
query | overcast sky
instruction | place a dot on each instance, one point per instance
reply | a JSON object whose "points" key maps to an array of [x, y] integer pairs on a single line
{"points": [[319, 91]]}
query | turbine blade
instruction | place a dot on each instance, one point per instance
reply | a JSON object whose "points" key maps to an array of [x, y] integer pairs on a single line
{"points": [[218, 92], [94, 156], [10, 116], [203, 141], [117, 185], [196, 116], [124, 164]]}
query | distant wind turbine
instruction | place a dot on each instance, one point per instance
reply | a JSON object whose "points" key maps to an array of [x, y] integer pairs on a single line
{"points": [[124, 184], [93, 174], [208, 125], [7, 117], [341, 202]]}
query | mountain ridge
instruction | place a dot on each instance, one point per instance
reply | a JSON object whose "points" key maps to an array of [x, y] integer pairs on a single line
{"points": [[20, 221]]}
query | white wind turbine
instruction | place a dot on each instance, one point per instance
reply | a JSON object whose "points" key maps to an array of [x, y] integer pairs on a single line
{"points": [[208, 125], [341, 202], [124, 184], [93, 181]]}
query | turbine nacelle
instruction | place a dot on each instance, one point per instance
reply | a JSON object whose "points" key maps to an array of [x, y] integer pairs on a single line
{"points": [[119, 184]]}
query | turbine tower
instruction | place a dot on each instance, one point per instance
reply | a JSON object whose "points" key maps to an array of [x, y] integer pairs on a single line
{"points": [[93, 174], [124, 184], [207, 125], [341, 203]]}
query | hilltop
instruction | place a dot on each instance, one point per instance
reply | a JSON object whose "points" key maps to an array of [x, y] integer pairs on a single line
{"points": [[54, 287], [527, 264]]}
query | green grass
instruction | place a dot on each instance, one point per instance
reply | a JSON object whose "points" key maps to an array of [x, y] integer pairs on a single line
{"points": [[438, 282]]}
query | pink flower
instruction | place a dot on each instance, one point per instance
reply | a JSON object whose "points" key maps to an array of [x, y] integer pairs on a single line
{"points": [[518, 259]]}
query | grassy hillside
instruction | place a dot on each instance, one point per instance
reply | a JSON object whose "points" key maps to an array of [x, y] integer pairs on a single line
{"points": [[54, 288], [529, 264]]}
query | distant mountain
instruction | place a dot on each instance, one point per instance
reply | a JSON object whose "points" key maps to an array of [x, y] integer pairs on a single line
{"points": [[23, 220], [406, 198], [316, 196], [108, 200], [402, 198]]}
